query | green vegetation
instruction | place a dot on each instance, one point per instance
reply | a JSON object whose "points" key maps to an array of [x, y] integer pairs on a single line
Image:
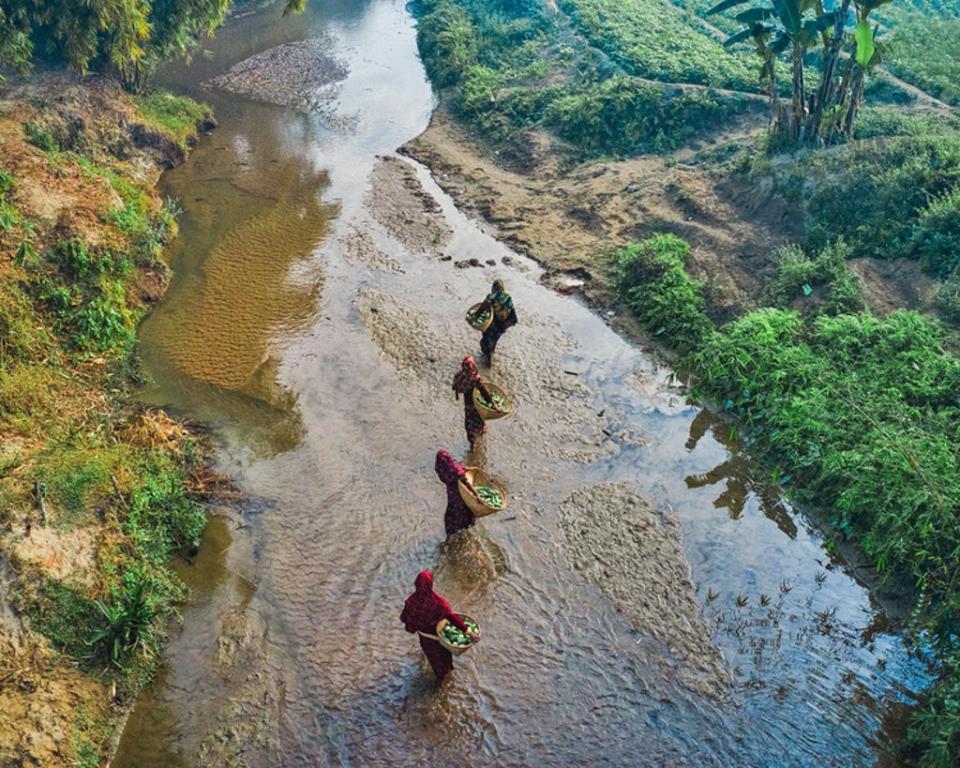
{"points": [[827, 113], [511, 68], [654, 284], [108, 482], [125, 38], [858, 414], [822, 284], [925, 51], [653, 39], [890, 199], [624, 116], [175, 116]]}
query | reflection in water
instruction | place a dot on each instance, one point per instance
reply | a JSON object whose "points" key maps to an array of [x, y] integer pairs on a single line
{"points": [[212, 338]]}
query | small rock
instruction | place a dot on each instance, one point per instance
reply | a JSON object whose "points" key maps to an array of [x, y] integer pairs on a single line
{"points": [[491, 262]]}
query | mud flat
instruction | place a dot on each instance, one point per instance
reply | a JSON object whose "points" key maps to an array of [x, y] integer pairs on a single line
{"points": [[398, 202], [633, 553]]}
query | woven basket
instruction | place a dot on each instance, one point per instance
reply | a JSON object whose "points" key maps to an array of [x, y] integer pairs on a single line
{"points": [[489, 414], [477, 324], [456, 650], [477, 476]]}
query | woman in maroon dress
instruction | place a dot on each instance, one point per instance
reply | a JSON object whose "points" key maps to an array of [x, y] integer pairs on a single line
{"points": [[421, 612], [458, 515], [466, 380]]}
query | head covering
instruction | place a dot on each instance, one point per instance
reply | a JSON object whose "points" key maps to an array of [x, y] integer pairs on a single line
{"points": [[424, 582], [467, 377], [447, 468], [501, 301]]}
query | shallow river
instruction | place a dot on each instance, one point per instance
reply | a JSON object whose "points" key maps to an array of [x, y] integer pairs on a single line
{"points": [[319, 345]]}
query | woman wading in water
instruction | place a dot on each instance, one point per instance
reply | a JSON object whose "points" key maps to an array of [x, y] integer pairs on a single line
{"points": [[464, 382], [421, 612], [504, 317]]}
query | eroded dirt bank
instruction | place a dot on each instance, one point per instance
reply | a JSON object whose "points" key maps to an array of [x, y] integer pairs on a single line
{"points": [[80, 160], [569, 217]]}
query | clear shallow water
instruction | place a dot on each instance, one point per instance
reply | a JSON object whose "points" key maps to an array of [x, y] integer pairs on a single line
{"points": [[260, 337]]}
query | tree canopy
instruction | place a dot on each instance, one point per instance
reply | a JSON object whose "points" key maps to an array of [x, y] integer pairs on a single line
{"points": [[125, 37]]}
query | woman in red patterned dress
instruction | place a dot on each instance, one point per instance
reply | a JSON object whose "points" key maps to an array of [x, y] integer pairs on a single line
{"points": [[421, 612], [458, 515], [466, 380]]}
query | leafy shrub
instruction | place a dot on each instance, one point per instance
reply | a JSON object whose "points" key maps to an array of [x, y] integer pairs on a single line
{"points": [[798, 275], [447, 41], [42, 138], [129, 622], [162, 518], [862, 412], [624, 115], [652, 39], [887, 199], [654, 284], [936, 239], [85, 293], [125, 38], [933, 740], [948, 298]]}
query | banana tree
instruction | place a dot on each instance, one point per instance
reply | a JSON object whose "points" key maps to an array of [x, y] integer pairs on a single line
{"points": [[865, 56], [794, 25]]}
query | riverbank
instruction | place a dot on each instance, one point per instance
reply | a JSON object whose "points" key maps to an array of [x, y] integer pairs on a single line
{"points": [[97, 490]]}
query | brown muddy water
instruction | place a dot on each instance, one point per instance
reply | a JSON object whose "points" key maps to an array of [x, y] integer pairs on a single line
{"points": [[645, 600]]}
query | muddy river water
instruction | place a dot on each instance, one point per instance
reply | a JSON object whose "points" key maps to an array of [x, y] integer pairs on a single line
{"points": [[644, 602]]}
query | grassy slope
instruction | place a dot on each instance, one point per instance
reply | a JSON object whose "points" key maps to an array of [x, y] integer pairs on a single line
{"points": [[80, 232], [512, 67]]}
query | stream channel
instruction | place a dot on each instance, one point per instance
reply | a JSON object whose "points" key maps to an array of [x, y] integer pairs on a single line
{"points": [[315, 323]]}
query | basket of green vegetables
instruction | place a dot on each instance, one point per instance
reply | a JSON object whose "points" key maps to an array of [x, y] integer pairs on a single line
{"points": [[455, 641], [496, 407], [490, 495], [478, 320]]}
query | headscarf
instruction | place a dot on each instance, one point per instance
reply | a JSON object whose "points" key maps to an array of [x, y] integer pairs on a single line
{"points": [[447, 468], [424, 583], [424, 608], [467, 377], [500, 299]]}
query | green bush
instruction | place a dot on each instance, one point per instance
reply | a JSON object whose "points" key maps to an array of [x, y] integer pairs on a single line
{"points": [[162, 518], [887, 199], [40, 137], [936, 239], [948, 298], [624, 115], [798, 276], [862, 413], [933, 740], [447, 41], [666, 300], [126, 38], [652, 39], [85, 293]]}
